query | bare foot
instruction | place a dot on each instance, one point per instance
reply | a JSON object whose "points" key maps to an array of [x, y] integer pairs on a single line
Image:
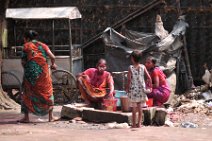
{"points": [[52, 119], [23, 120], [133, 126], [139, 125]]}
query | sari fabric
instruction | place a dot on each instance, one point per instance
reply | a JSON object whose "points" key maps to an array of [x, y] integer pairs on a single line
{"points": [[38, 91], [94, 85], [160, 94]]}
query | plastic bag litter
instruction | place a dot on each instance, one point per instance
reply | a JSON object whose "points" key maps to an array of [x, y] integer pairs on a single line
{"points": [[209, 104], [188, 125], [169, 123], [115, 125], [206, 76]]}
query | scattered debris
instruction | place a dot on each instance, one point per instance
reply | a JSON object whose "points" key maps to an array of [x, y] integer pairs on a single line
{"points": [[188, 125], [169, 123], [115, 125]]}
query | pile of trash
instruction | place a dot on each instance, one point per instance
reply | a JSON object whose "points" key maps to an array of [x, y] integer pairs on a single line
{"points": [[195, 106], [189, 109], [198, 100]]}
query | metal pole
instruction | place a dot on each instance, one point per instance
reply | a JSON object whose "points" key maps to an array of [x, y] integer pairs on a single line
{"points": [[15, 38], [53, 38], [70, 46], [81, 31]]}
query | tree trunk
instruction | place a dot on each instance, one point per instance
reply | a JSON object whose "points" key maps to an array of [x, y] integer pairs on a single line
{"points": [[5, 101]]}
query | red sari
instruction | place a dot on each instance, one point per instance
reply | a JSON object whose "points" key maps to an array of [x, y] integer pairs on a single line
{"points": [[38, 91]]}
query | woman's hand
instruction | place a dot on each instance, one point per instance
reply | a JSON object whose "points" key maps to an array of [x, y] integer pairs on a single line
{"points": [[110, 95], [54, 66], [148, 90]]}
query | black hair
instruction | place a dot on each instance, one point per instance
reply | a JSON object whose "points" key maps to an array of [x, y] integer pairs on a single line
{"points": [[136, 55], [31, 35], [100, 61], [154, 60]]}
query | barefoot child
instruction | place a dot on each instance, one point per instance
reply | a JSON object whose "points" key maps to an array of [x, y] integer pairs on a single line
{"points": [[136, 87]]}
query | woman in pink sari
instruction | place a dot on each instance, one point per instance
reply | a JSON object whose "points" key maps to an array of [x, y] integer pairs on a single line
{"points": [[161, 91], [93, 83]]}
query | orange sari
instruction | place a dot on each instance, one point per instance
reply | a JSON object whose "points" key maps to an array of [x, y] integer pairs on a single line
{"points": [[93, 86], [38, 91]]}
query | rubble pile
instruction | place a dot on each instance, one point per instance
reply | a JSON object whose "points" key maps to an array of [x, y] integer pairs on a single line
{"points": [[195, 106], [198, 100]]}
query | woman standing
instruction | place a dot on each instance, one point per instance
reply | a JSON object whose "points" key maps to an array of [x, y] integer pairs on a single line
{"points": [[160, 89], [37, 96]]}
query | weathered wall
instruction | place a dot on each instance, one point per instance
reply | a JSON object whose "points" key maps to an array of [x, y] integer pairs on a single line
{"points": [[99, 14], [199, 17]]}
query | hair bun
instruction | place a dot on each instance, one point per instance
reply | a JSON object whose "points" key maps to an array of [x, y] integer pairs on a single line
{"points": [[33, 33]]}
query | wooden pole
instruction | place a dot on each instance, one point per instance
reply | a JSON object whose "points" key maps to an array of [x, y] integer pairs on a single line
{"points": [[188, 66]]}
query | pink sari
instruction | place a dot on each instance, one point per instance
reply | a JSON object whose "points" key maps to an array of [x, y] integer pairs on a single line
{"points": [[160, 94]]}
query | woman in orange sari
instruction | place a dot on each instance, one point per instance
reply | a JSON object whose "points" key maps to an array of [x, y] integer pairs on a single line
{"points": [[37, 96]]}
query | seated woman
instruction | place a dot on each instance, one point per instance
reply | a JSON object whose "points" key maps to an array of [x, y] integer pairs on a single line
{"points": [[93, 83], [160, 89]]}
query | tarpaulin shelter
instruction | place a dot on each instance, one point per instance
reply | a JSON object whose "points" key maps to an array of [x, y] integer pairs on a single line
{"points": [[166, 48]]}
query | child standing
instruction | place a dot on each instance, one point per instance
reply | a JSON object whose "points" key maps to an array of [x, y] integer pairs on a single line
{"points": [[136, 87]]}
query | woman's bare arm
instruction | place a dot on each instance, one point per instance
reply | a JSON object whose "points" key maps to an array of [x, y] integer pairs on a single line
{"points": [[155, 80], [52, 58], [149, 79]]}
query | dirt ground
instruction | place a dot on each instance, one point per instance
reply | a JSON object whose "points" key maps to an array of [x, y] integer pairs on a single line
{"points": [[63, 130]]}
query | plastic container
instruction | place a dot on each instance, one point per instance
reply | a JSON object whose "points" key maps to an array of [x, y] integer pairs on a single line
{"points": [[118, 94], [125, 104], [109, 104], [149, 102]]}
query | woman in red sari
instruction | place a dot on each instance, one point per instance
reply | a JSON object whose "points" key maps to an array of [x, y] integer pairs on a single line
{"points": [[160, 91], [93, 83], [37, 96]]}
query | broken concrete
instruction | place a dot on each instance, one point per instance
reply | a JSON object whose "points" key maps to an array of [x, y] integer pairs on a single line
{"points": [[151, 115], [73, 110]]}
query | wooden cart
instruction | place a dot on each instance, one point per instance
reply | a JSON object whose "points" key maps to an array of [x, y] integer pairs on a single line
{"points": [[61, 22]]}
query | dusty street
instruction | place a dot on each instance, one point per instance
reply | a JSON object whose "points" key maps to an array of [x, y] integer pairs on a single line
{"points": [[63, 130]]}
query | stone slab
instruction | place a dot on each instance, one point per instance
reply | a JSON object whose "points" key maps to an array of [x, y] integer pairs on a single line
{"points": [[73, 110], [102, 116], [151, 115]]}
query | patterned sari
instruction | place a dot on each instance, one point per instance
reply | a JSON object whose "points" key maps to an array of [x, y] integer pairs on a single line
{"points": [[38, 91]]}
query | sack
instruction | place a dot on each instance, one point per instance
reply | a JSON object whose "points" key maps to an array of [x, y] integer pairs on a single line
{"points": [[206, 77]]}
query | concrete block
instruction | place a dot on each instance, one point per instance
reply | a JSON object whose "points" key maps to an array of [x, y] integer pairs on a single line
{"points": [[148, 115], [102, 116], [160, 117], [72, 110], [151, 115], [154, 116]]}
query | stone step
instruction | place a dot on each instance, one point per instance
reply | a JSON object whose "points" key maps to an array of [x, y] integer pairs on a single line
{"points": [[151, 115]]}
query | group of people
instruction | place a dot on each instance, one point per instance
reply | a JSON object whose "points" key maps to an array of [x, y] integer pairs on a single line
{"points": [[144, 81]]}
